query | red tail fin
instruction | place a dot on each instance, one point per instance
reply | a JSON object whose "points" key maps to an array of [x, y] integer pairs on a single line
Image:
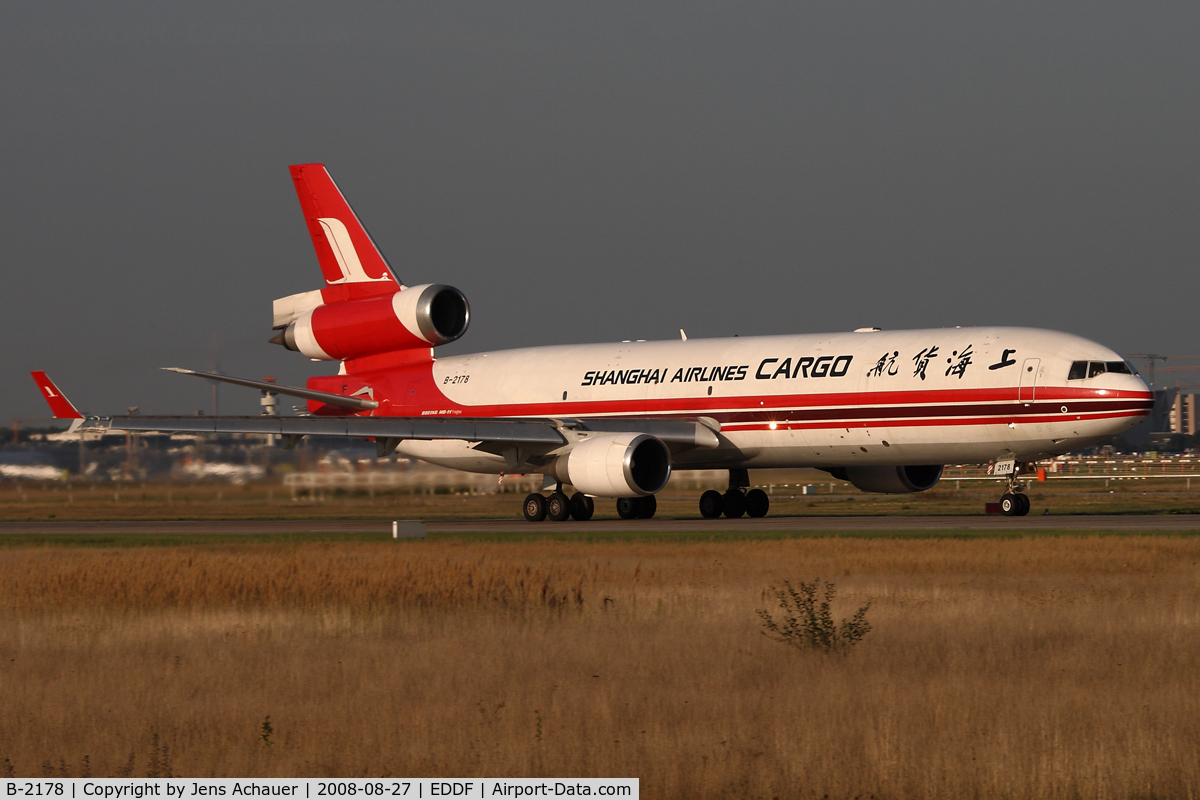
{"points": [[344, 248], [60, 405]]}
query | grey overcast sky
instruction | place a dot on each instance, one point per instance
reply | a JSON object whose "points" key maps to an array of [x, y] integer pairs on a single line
{"points": [[589, 172]]}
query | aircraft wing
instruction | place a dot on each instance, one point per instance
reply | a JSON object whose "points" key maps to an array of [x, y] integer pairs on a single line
{"points": [[386, 431], [544, 434], [390, 431]]}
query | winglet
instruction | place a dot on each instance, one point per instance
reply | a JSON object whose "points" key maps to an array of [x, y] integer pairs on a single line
{"points": [[60, 405]]}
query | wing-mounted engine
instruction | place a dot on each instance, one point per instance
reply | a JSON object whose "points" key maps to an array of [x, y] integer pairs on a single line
{"points": [[616, 465], [891, 480], [414, 317]]}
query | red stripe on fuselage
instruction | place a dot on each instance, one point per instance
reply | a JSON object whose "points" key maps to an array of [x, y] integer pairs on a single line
{"points": [[895, 414], [825, 410], [931, 421]]}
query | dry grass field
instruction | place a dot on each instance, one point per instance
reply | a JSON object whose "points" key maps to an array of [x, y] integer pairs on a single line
{"points": [[1056, 667]]}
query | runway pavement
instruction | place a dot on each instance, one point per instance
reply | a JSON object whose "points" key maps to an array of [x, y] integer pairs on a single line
{"points": [[834, 525], [1181, 522]]}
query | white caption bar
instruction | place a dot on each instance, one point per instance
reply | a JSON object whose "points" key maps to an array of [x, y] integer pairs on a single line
{"points": [[359, 788]]}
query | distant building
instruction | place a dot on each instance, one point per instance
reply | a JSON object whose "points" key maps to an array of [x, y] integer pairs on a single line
{"points": [[1182, 417]]}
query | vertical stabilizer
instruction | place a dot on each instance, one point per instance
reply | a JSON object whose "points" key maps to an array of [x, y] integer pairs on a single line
{"points": [[345, 250], [59, 405]]}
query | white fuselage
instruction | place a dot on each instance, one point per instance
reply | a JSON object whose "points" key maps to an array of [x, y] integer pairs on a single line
{"points": [[950, 395]]}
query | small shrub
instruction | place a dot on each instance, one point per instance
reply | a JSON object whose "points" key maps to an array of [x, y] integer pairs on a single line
{"points": [[127, 770], [265, 730], [808, 623], [160, 759]]}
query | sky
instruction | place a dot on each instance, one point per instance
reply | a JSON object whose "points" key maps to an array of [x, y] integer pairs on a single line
{"points": [[588, 172]]}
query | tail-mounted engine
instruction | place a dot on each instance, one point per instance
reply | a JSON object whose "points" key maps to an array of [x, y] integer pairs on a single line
{"points": [[415, 317], [890, 480]]}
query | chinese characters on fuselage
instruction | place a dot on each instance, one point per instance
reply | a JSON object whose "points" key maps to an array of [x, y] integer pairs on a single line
{"points": [[958, 362], [885, 362], [922, 360], [964, 361]]}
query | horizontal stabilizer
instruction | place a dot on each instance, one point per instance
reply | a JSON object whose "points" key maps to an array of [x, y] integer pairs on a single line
{"points": [[361, 403]]}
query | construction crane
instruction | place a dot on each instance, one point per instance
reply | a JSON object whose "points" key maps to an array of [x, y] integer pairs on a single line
{"points": [[17, 423], [1154, 358]]}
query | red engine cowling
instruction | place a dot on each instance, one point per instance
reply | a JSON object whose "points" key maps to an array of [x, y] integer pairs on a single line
{"points": [[416, 317]]}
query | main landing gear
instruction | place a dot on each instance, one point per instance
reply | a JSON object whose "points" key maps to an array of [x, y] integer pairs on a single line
{"points": [[736, 501], [1014, 502], [636, 507], [558, 507]]}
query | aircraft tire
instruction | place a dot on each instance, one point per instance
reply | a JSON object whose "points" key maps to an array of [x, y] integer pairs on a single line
{"points": [[582, 507], [628, 507], [1010, 506], [711, 504], [558, 507], [1024, 501], [647, 506], [757, 503], [734, 504], [535, 507]]}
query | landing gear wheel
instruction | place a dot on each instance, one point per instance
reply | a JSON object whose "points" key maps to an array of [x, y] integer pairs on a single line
{"points": [[711, 504], [558, 507], [647, 506], [1010, 505], [636, 507], [582, 507], [628, 507], [734, 503], [757, 503], [535, 507], [1024, 501]]}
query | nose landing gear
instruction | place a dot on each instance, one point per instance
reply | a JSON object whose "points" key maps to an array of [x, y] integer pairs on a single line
{"points": [[1014, 505], [1014, 502]]}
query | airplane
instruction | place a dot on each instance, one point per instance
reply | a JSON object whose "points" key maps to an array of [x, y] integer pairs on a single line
{"points": [[883, 410]]}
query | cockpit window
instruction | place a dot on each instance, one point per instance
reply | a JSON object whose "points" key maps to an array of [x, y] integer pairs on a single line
{"points": [[1090, 369]]}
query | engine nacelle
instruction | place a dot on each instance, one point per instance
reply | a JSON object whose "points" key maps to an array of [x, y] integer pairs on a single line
{"points": [[617, 465], [416, 317], [891, 480]]}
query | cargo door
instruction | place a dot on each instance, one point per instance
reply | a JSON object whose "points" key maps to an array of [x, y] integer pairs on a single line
{"points": [[1027, 383]]}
